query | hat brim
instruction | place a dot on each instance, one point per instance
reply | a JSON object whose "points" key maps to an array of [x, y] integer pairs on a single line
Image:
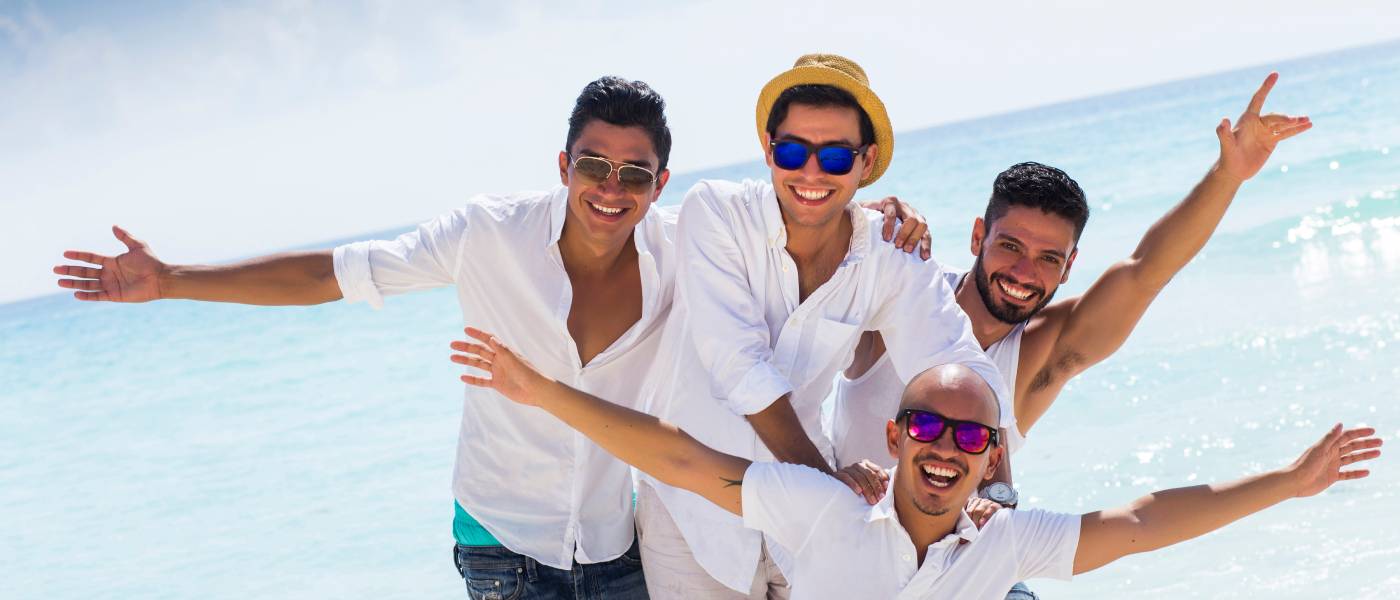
{"points": [[813, 74]]}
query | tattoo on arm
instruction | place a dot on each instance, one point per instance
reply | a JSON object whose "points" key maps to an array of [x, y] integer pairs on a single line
{"points": [[731, 482]]}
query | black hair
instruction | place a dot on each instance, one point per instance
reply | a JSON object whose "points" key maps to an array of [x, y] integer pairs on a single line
{"points": [[819, 95], [1038, 186], [623, 103]]}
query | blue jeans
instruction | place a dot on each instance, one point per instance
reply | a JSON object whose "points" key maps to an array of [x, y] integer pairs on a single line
{"points": [[1021, 592], [495, 573]]}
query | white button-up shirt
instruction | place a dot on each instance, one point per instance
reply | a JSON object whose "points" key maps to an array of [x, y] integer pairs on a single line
{"points": [[841, 547], [739, 339], [541, 488]]}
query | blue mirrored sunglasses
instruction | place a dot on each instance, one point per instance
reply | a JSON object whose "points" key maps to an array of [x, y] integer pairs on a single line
{"points": [[835, 159]]}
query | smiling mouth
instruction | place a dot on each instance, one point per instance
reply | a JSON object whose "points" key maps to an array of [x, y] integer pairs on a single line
{"points": [[609, 212], [1015, 291], [940, 477], [810, 195]]}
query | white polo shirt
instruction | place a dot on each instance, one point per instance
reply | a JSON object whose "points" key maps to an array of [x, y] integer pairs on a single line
{"points": [[841, 547], [739, 339], [541, 488]]}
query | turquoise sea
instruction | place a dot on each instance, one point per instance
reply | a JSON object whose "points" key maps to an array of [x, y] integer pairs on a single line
{"points": [[184, 450]]}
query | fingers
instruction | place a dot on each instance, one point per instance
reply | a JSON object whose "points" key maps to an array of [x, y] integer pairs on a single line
{"points": [[472, 361], [126, 238], [87, 257], [1256, 103], [92, 296], [476, 349], [86, 285], [491, 341], [911, 233], [76, 271], [1349, 475], [1354, 434], [889, 206], [1362, 444], [476, 381], [1226, 137], [1292, 131], [850, 482], [1360, 456]]}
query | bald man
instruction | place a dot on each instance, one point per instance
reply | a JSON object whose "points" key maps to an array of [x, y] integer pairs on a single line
{"points": [[917, 542]]}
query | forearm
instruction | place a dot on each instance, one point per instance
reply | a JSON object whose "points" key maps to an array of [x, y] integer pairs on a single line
{"points": [[782, 432], [1172, 516], [1175, 239], [654, 446], [290, 278]]}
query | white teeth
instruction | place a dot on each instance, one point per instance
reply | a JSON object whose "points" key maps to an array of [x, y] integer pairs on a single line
{"points": [[605, 210], [939, 471], [1014, 292], [812, 194]]}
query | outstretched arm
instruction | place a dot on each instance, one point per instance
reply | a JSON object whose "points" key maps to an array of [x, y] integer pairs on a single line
{"points": [[1171, 516], [658, 448], [138, 276], [1089, 328]]}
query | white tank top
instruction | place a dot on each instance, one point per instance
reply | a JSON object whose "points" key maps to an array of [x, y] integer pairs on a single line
{"points": [[864, 404]]}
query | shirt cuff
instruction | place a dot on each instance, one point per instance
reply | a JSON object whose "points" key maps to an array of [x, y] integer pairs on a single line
{"points": [[353, 275], [759, 388]]}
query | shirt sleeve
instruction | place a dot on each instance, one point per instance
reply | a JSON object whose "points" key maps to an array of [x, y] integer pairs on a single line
{"points": [[785, 500], [1045, 543], [728, 328], [924, 327], [427, 257]]}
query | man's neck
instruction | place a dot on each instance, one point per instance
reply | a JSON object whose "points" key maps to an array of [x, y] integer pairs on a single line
{"points": [[925, 529], [808, 244], [988, 329], [593, 257]]}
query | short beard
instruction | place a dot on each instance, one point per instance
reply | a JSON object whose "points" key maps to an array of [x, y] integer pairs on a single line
{"points": [[932, 512], [1006, 314]]}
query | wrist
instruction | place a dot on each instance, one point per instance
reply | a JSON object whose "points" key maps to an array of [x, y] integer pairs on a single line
{"points": [[1222, 175], [166, 276]]}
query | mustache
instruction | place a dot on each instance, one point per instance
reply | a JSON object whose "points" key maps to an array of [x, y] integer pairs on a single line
{"points": [[928, 455]]}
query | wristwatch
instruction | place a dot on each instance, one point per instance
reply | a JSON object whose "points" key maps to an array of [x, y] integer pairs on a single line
{"points": [[1000, 493]]}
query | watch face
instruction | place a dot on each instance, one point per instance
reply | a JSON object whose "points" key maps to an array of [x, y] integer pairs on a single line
{"points": [[1001, 493]]}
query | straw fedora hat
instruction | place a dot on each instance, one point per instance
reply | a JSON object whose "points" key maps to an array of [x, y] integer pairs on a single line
{"points": [[839, 72]]}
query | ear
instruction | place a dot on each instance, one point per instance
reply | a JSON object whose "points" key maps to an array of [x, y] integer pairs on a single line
{"points": [[661, 180], [563, 167], [872, 154], [767, 149], [1069, 262], [979, 232], [892, 438], [993, 461]]}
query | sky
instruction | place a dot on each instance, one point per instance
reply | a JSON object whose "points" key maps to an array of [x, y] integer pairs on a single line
{"points": [[223, 130]]}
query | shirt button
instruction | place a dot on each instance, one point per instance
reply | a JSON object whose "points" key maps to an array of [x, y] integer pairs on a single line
{"points": [[906, 558]]}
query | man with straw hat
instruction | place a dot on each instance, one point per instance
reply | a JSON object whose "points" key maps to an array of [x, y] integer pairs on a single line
{"points": [[775, 282]]}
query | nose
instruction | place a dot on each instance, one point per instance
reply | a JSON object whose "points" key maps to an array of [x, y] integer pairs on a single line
{"points": [[811, 168], [1023, 269], [612, 186]]}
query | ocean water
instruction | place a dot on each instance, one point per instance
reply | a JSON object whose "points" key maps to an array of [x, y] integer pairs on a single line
{"points": [[178, 450]]}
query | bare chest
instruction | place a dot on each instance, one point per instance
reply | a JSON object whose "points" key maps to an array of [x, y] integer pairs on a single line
{"points": [[603, 309]]}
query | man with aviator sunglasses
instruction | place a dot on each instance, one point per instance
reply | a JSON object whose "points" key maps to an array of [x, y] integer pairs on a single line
{"points": [[918, 541], [775, 282]]}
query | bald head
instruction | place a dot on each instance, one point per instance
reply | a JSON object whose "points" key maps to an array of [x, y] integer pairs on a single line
{"points": [[953, 390]]}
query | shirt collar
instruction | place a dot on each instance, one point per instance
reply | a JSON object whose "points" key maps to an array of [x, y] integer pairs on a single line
{"points": [[559, 210], [965, 530], [777, 231]]}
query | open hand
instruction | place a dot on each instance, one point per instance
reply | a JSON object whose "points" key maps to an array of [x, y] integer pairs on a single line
{"points": [[865, 478], [129, 277], [1245, 148], [980, 510], [511, 375], [913, 232], [1321, 465]]}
